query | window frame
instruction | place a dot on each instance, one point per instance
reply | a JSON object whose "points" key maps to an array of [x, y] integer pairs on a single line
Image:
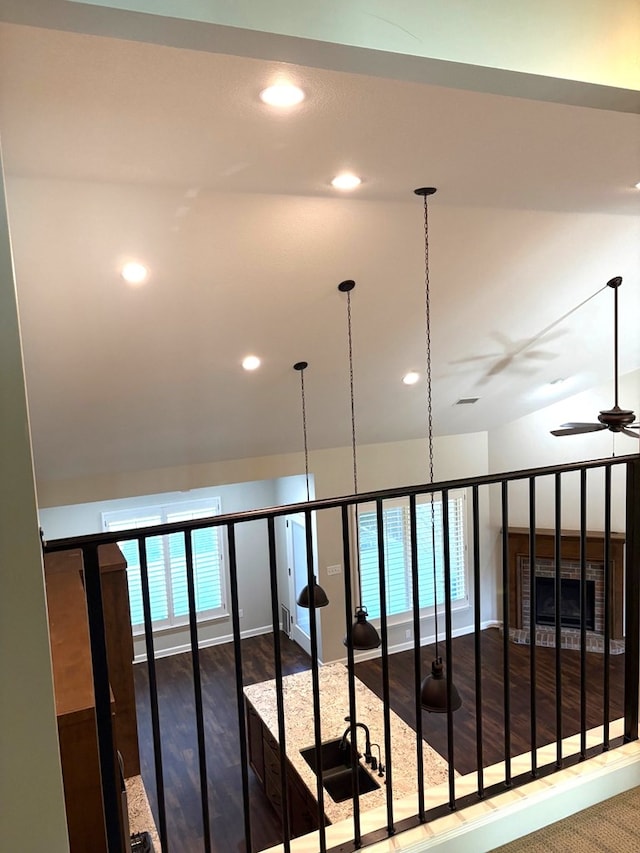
{"points": [[403, 616], [213, 507]]}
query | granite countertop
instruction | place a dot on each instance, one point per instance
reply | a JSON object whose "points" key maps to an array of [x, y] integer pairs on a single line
{"points": [[334, 707]]}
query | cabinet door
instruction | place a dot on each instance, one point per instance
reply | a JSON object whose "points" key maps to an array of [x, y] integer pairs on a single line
{"points": [[256, 754], [272, 776], [303, 812]]}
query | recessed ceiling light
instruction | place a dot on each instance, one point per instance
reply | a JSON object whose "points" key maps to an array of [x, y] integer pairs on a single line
{"points": [[282, 95], [134, 272], [251, 362], [346, 181], [411, 378], [637, 186]]}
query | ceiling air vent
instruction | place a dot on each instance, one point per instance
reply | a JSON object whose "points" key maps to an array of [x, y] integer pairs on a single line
{"points": [[467, 401]]}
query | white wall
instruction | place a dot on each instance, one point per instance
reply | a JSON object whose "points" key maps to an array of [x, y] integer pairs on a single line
{"points": [[527, 443], [32, 816], [521, 444], [380, 466], [251, 548]]}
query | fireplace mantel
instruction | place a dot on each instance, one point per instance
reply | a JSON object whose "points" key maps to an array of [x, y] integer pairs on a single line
{"points": [[518, 539]]}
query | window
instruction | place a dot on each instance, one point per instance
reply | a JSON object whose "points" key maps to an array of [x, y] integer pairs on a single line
{"points": [[397, 551], [167, 567]]}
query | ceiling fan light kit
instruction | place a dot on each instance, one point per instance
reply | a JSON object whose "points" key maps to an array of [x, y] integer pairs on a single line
{"points": [[615, 419]]}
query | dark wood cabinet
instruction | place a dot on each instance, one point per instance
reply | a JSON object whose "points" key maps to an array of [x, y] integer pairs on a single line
{"points": [[264, 757], [303, 809], [73, 686]]}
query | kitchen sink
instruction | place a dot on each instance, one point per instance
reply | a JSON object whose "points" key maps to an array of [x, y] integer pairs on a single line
{"points": [[337, 783], [331, 755], [336, 770]]}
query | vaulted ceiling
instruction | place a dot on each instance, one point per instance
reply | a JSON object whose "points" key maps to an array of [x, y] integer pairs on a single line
{"points": [[115, 149]]}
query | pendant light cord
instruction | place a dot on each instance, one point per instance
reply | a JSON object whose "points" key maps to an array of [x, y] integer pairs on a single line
{"points": [[347, 287], [427, 293], [304, 431], [353, 410]]}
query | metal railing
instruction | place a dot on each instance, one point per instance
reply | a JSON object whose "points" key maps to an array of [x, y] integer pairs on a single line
{"points": [[480, 490]]}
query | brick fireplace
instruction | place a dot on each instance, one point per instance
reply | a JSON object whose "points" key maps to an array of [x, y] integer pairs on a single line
{"points": [[544, 604]]}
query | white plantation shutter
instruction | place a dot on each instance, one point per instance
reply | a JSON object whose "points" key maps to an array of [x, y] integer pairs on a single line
{"points": [[166, 563], [155, 567], [207, 558], [396, 559], [397, 551]]}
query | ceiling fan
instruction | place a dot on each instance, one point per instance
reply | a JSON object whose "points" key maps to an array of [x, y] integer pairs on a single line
{"points": [[615, 419]]}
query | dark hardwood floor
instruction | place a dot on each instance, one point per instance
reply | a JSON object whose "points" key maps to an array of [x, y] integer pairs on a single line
{"points": [[176, 707], [435, 725], [179, 741]]}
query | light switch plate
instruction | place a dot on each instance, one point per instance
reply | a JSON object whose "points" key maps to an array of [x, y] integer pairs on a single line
{"points": [[334, 570]]}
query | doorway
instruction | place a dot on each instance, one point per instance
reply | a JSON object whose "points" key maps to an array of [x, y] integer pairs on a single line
{"points": [[297, 557]]}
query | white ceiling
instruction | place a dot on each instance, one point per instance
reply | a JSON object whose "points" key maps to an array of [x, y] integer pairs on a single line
{"points": [[116, 149]]}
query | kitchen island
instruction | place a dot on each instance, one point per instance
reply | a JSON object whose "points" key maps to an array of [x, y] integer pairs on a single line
{"points": [[261, 707]]}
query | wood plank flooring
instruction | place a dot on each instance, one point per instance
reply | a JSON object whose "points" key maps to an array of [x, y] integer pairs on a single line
{"points": [[435, 725], [179, 740]]}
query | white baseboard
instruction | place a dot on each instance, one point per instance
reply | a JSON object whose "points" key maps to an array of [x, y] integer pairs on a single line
{"points": [[202, 644]]}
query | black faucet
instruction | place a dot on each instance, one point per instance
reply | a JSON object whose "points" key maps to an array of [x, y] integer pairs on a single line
{"points": [[376, 763], [367, 745]]}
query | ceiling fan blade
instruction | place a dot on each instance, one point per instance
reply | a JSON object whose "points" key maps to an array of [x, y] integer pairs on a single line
{"points": [[582, 425], [632, 434], [633, 426], [577, 429]]}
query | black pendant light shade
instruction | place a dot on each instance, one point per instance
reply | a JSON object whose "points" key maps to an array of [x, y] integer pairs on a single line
{"points": [[364, 636], [433, 692], [319, 596]]}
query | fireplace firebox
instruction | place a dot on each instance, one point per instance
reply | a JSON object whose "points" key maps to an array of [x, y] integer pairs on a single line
{"points": [[577, 564], [545, 609]]}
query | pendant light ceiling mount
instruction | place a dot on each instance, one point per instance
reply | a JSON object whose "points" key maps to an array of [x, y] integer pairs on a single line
{"points": [[320, 598], [346, 286], [425, 191]]}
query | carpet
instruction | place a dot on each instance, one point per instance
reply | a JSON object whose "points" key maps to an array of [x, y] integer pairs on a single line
{"points": [[612, 826]]}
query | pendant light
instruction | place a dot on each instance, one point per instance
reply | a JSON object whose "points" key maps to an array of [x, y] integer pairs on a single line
{"points": [[364, 636], [434, 690], [319, 595]]}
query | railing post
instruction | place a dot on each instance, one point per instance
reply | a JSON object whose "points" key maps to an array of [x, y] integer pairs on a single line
{"points": [[632, 602]]}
